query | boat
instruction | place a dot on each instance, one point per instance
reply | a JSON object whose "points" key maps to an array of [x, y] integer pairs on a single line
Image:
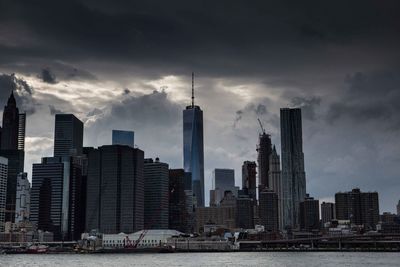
{"points": [[37, 249]]}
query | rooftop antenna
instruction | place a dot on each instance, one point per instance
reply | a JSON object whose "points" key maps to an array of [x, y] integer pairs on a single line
{"points": [[192, 89]]}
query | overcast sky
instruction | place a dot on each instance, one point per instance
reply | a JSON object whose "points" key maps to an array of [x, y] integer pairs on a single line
{"points": [[127, 65]]}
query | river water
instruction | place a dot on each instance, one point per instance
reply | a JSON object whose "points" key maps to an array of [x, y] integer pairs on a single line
{"points": [[273, 259]]}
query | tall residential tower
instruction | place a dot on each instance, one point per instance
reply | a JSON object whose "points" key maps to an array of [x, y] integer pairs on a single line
{"points": [[293, 174]]}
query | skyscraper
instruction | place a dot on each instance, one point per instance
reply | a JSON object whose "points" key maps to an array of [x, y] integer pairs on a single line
{"points": [[264, 149], [293, 174], [361, 208], [268, 210], [244, 213], [156, 192], [68, 135], [9, 135], [328, 212], [193, 147], [126, 138], [309, 214], [15, 166], [179, 214], [115, 189], [222, 180], [275, 182], [12, 148], [56, 197], [249, 178], [3, 190]]}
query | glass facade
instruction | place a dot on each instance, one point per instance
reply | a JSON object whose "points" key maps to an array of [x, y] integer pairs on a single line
{"points": [[293, 174], [68, 136], [193, 150], [126, 138]]}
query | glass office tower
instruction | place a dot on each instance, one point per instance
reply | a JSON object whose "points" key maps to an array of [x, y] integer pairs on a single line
{"points": [[193, 150]]}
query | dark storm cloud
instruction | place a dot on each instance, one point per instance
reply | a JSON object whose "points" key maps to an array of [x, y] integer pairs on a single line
{"points": [[48, 76], [139, 111], [307, 105], [154, 118], [213, 37], [370, 97], [257, 110]]}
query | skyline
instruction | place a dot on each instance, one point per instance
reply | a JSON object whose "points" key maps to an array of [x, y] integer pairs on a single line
{"points": [[344, 75]]}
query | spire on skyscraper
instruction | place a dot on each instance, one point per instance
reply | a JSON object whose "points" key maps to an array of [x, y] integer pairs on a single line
{"points": [[11, 99]]}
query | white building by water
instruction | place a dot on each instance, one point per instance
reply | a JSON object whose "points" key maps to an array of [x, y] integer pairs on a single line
{"points": [[153, 238]]}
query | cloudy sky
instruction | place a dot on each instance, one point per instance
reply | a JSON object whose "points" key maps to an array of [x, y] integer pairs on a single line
{"points": [[127, 65]]}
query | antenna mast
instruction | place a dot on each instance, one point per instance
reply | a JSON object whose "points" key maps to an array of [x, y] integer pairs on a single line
{"points": [[192, 89]]}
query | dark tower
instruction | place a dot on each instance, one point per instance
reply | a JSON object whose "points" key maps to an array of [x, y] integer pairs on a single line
{"points": [[12, 148], [293, 174], [9, 136], [264, 151], [68, 136]]}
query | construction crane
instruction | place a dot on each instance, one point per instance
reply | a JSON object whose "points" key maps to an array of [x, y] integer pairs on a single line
{"points": [[262, 128]]}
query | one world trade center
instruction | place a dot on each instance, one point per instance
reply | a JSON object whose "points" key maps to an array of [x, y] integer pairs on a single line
{"points": [[193, 148]]}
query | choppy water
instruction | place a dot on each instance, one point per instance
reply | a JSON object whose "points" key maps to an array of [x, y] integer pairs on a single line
{"points": [[273, 259]]}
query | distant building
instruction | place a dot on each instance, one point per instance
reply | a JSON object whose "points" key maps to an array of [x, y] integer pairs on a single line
{"points": [[68, 136], [222, 180], [249, 178], [328, 212], [223, 215], [275, 182], [244, 213], [388, 218], [12, 147], [361, 208], [115, 189], [156, 192], [56, 201], [3, 190], [193, 148], [293, 174], [22, 208], [126, 138], [179, 214], [264, 149], [309, 214], [15, 166], [268, 210]]}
